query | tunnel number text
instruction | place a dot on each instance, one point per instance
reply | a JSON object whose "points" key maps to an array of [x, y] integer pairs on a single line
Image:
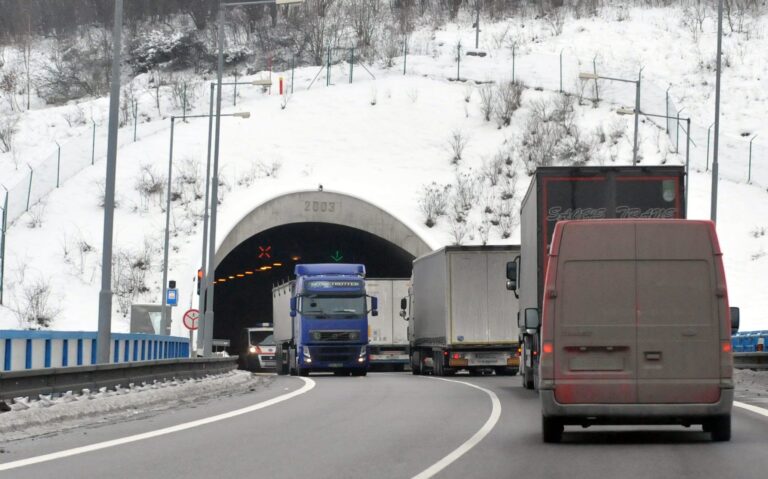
{"points": [[320, 206]]}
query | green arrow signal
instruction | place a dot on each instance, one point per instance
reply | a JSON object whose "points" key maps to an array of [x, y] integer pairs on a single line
{"points": [[337, 256]]}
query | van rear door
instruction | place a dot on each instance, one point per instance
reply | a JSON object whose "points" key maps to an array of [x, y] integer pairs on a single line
{"points": [[677, 319], [595, 346]]}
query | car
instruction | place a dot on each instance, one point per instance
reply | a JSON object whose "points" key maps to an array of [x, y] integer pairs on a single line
{"points": [[257, 348]]}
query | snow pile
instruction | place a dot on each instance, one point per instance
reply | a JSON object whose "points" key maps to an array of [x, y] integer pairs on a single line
{"points": [[755, 383], [47, 414]]}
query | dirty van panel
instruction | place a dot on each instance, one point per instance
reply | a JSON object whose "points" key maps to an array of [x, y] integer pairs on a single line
{"points": [[468, 270], [595, 347], [678, 327]]}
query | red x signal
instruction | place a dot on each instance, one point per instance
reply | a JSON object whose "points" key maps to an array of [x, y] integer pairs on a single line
{"points": [[265, 252]]}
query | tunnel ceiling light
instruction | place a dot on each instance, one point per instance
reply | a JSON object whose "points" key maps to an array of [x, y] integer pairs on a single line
{"points": [[295, 258], [231, 277], [277, 265], [241, 275], [249, 273], [222, 280]]}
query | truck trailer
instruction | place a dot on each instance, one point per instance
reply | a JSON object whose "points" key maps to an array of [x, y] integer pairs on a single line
{"points": [[581, 193], [321, 320], [388, 332], [459, 313]]}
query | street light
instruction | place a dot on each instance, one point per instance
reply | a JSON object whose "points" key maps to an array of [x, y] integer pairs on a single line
{"points": [[208, 317], [594, 76], [624, 111], [713, 204], [244, 114]]}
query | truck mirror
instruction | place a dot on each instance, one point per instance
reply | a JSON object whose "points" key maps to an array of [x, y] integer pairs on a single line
{"points": [[519, 324], [512, 272], [403, 304], [532, 318], [293, 306], [734, 320], [374, 306]]}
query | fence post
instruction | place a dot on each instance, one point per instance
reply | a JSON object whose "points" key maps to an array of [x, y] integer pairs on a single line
{"points": [[184, 103], [93, 145], [29, 190], [58, 164], [351, 64], [405, 54], [749, 171], [594, 68], [458, 62], [666, 106], [687, 159], [328, 68], [3, 230], [234, 96], [293, 67], [677, 131], [513, 63], [135, 117], [561, 70]]}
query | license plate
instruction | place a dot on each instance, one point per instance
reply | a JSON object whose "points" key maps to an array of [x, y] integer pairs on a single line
{"points": [[267, 358], [490, 361], [389, 357], [335, 365]]}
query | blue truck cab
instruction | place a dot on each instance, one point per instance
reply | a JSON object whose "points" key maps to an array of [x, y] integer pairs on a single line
{"points": [[321, 320]]}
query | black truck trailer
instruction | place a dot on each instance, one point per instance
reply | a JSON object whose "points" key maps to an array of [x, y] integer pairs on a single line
{"points": [[572, 193]]}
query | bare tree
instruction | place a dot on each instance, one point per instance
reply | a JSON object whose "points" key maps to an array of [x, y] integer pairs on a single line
{"points": [[433, 202], [8, 130], [456, 145], [486, 93]]}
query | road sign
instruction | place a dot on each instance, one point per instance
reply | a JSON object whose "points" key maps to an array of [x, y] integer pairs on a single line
{"points": [[172, 297], [190, 319], [337, 256]]}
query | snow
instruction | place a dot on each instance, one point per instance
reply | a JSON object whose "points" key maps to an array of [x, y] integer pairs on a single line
{"points": [[386, 152], [46, 415]]}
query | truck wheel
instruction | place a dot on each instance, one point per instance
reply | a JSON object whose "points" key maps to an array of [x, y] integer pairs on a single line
{"points": [[437, 360], [552, 429], [292, 362], [720, 428], [415, 364], [528, 379], [358, 372]]}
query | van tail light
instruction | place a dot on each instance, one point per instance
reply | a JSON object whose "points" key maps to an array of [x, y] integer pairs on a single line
{"points": [[726, 360], [519, 352], [547, 361], [445, 353], [456, 356]]}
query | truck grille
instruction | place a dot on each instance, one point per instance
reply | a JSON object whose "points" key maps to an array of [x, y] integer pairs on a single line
{"points": [[335, 335], [335, 355]]}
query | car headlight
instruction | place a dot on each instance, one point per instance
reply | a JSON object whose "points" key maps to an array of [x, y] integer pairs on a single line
{"points": [[252, 349], [363, 351], [305, 353]]}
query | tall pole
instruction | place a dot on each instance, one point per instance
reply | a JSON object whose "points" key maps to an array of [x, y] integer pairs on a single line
{"points": [[477, 25], [167, 231], [709, 132], [713, 207], [204, 286], [4, 227], [687, 159], [209, 316], [105, 295], [637, 116]]}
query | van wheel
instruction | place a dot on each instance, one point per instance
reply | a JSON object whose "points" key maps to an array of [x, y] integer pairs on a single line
{"points": [[552, 429], [720, 428], [416, 364], [527, 379]]}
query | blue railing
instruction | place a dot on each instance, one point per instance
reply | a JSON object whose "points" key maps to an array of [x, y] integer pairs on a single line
{"points": [[21, 350], [748, 341]]}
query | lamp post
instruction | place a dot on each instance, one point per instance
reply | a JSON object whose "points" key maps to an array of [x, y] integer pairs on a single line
{"points": [[715, 146], [208, 318], [105, 295], [3, 231], [203, 286], [709, 130], [594, 76], [622, 111], [168, 204]]}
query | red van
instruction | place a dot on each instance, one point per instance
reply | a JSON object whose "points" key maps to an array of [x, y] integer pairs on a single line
{"points": [[636, 327]]}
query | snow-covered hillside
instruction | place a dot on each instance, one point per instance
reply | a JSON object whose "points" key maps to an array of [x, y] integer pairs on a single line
{"points": [[384, 140]]}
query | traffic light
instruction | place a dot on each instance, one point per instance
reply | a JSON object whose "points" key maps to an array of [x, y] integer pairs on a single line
{"points": [[199, 280]]}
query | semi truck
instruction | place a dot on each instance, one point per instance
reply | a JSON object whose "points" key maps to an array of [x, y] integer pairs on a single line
{"points": [[388, 332], [580, 193], [321, 320], [459, 313]]}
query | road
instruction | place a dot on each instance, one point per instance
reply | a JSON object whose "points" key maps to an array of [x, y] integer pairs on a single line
{"points": [[388, 425]]}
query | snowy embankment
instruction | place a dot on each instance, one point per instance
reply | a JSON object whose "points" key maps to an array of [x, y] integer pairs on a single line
{"points": [[384, 140], [46, 415]]}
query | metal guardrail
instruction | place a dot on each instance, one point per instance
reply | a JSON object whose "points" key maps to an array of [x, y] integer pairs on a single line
{"points": [[60, 380], [756, 361]]}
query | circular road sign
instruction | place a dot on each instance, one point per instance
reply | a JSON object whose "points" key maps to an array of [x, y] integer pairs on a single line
{"points": [[190, 319]]}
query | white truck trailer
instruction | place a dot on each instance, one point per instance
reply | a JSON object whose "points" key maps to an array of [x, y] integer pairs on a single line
{"points": [[459, 315], [388, 332]]}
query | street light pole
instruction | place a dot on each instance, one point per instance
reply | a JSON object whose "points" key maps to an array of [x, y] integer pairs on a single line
{"points": [[167, 230], [105, 295], [4, 228], [203, 266], [715, 146]]}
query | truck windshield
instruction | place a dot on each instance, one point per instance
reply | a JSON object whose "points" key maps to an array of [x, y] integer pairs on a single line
{"points": [[325, 306], [262, 338]]}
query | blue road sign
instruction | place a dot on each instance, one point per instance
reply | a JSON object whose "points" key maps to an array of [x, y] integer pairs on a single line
{"points": [[172, 297]]}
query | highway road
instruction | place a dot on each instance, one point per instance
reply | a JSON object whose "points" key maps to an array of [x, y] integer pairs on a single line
{"points": [[386, 425]]}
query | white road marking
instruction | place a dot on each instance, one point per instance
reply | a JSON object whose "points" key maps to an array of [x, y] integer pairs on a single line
{"points": [[749, 407], [308, 385], [472, 441]]}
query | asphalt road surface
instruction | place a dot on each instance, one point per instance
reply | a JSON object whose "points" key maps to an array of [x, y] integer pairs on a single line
{"points": [[384, 425]]}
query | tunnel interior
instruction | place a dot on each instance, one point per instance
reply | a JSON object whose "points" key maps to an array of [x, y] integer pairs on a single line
{"points": [[268, 258]]}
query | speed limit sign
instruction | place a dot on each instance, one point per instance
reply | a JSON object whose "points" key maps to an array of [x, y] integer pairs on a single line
{"points": [[190, 319]]}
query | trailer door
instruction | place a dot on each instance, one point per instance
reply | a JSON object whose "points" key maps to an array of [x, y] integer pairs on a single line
{"points": [[469, 304]]}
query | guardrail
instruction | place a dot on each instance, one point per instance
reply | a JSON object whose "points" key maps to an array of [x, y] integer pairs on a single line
{"points": [[30, 383], [755, 361], [26, 350]]}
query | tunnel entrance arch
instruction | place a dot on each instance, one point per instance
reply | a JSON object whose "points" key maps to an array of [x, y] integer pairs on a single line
{"points": [[304, 227]]}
